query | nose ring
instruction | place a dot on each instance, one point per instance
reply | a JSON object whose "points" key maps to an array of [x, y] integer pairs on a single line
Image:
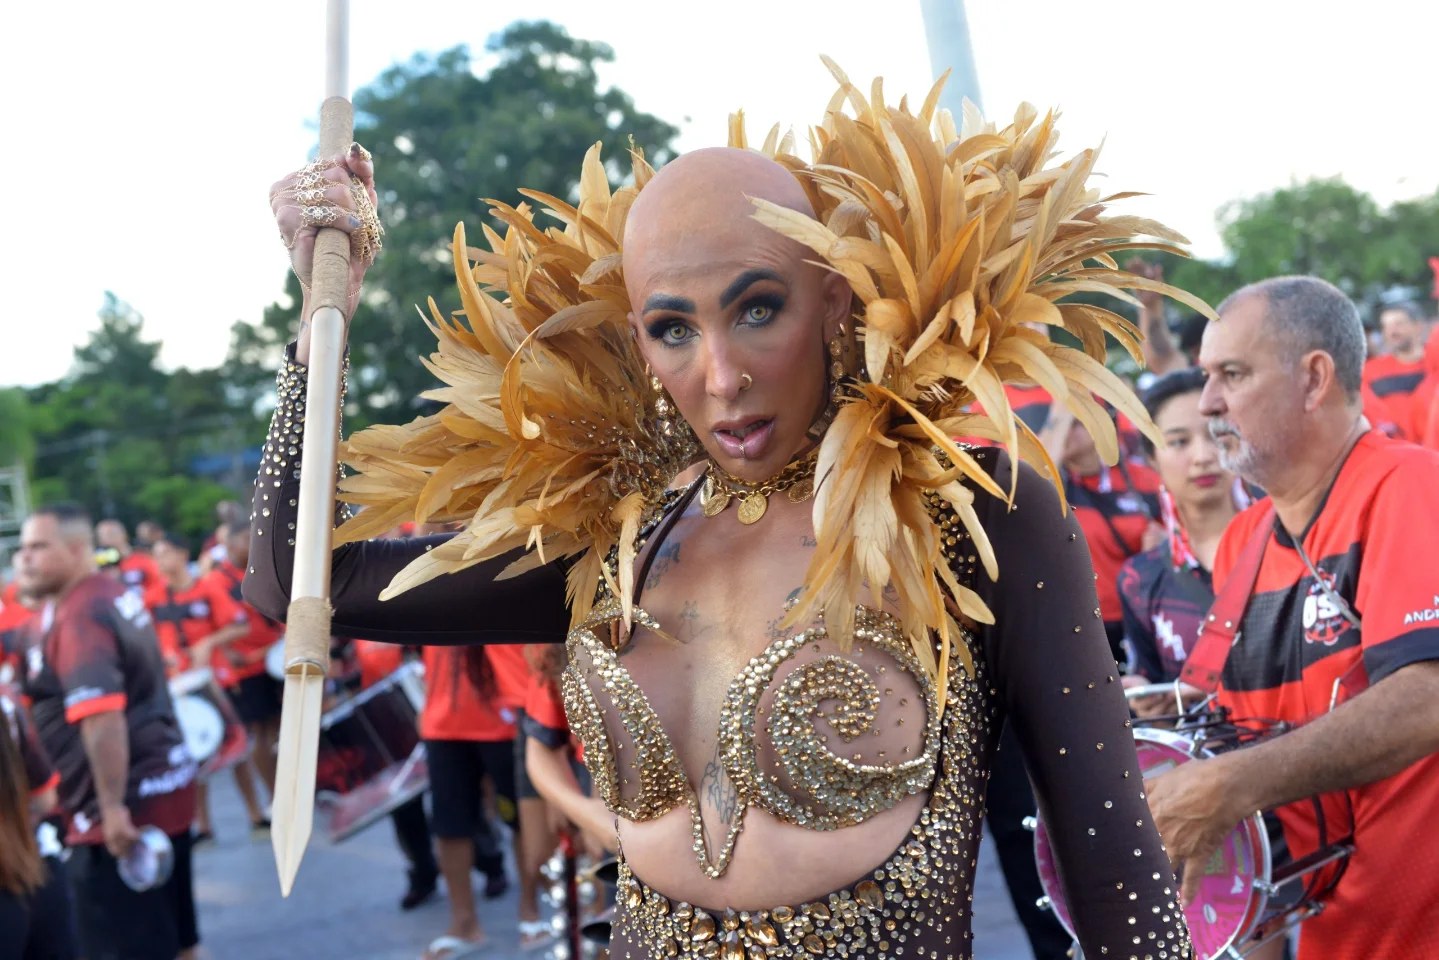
{"points": [[748, 381]]}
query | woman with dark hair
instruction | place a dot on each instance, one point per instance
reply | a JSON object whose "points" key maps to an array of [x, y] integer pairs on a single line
{"points": [[36, 917], [1165, 591]]}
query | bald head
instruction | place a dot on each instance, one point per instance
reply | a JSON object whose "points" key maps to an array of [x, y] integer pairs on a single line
{"points": [[716, 181], [682, 207]]}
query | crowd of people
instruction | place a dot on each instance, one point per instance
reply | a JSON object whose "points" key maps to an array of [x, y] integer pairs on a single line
{"points": [[1246, 560], [106, 641]]}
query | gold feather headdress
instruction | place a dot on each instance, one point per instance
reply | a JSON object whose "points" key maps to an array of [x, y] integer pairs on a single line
{"points": [[952, 240]]}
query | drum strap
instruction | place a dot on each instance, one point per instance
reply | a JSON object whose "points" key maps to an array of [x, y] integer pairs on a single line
{"points": [[1205, 663]]}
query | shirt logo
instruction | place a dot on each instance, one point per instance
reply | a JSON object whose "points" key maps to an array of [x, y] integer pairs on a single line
{"points": [[132, 608], [199, 610], [1324, 621], [1168, 637], [1423, 616]]}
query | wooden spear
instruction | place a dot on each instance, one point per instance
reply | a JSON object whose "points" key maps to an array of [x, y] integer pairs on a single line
{"points": [[307, 632]]}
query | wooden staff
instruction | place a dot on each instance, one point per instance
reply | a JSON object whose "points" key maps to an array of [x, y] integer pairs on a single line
{"points": [[307, 632]]}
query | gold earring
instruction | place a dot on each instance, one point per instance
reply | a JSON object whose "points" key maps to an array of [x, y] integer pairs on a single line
{"points": [[836, 364], [664, 408]]}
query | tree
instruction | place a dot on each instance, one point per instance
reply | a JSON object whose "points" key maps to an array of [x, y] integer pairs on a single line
{"points": [[1329, 229], [122, 436], [444, 138]]}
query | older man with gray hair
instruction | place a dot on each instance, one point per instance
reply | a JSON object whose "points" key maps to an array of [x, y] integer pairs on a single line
{"points": [[1337, 620]]}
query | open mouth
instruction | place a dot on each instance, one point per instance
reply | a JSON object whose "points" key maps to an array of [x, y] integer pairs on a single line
{"points": [[745, 440]]}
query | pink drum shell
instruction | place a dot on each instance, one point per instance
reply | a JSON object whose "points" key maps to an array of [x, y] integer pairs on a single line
{"points": [[1230, 902]]}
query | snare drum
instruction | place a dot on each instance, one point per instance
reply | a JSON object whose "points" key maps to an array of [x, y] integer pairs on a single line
{"points": [[212, 729], [371, 759], [1246, 896]]}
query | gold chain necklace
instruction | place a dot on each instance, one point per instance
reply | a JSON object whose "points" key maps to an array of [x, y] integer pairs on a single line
{"points": [[796, 480]]}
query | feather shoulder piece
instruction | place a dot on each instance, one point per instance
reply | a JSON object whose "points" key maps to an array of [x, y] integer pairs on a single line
{"points": [[959, 245], [549, 439]]}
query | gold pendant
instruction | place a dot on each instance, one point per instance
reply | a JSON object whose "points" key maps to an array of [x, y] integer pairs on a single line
{"points": [[801, 491], [714, 501], [752, 507]]}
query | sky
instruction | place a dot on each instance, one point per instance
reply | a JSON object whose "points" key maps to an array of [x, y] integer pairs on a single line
{"points": [[142, 139]]}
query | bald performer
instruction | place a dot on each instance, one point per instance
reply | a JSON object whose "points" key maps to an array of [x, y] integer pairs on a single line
{"points": [[776, 794]]}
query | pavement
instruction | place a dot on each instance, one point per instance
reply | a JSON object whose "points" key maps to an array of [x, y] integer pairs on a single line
{"points": [[345, 900]]}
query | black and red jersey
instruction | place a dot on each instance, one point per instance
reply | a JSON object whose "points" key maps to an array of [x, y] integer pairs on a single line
{"points": [[1297, 655], [1389, 384], [1114, 508], [247, 654], [185, 617], [139, 573], [14, 616], [1164, 605], [97, 653]]}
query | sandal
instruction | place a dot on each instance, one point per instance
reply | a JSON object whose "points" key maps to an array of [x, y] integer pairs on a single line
{"points": [[535, 933], [451, 947]]}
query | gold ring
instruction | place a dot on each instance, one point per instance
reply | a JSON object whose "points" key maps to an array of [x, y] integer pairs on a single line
{"points": [[748, 381]]}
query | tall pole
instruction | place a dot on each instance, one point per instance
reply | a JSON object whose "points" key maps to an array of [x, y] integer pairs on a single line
{"points": [[947, 31], [307, 632]]}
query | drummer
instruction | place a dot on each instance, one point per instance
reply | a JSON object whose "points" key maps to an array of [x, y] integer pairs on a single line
{"points": [[255, 692], [1340, 635], [197, 622]]}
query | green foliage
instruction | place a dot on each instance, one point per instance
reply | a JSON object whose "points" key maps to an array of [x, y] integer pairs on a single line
{"points": [[445, 137], [1329, 229], [120, 435]]}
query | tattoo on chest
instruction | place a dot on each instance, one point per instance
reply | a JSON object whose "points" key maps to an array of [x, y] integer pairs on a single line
{"points": [[808, 541], [717, 791], [772, 629], [691, 626], [667, 557]]}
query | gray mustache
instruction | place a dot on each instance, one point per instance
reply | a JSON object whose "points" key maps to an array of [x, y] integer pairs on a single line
{"points": [[1219, 427]]}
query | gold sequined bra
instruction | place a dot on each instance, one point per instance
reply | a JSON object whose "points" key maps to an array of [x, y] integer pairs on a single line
{"points": [[918, 898], [808, 785]]}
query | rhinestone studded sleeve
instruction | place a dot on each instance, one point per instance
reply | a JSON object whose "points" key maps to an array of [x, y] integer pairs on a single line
{"points": [[1055, 678], [466, 607]]}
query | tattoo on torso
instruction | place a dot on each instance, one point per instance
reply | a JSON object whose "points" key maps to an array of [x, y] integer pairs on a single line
{"points": [[716, 789]]}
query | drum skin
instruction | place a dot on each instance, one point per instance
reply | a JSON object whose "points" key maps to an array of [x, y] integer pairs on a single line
{"points": [[1230, 902]]}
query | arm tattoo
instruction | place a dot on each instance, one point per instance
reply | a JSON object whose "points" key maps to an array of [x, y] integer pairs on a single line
{"points": [[716, 788], [808, 541]]}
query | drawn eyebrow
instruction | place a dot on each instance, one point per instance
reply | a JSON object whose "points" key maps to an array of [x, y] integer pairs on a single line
{"points": [[742, 283], [667, 301]]}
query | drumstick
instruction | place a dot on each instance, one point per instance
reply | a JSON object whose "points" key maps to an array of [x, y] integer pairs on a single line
{"points": [[307, 633]]}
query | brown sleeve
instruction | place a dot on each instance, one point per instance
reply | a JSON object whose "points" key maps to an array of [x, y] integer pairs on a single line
{"points": [[1059, 686], [466, 607]]}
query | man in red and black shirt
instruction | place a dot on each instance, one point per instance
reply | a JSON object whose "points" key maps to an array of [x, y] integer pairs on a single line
{"points": [[202, 622], [137, 569], [103, 713], [1391, 378], [1340, 635], [256, 694]]}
